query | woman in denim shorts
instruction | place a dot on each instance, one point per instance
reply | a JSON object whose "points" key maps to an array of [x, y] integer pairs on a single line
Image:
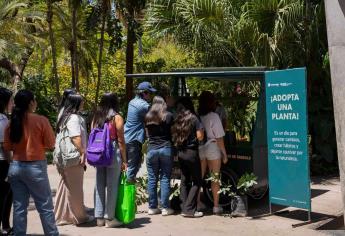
{"points": [[213, 151]]}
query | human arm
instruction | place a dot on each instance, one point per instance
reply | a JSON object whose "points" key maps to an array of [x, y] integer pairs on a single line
{"points": [[77, 142], [200, 133], [7, 154], [74, 127], [119, 124], [6, 145], [48, 136], [220, 143], [7, 142]]}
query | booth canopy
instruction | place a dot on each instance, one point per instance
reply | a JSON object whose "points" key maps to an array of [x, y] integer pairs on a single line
{"points": [[218, 73]]}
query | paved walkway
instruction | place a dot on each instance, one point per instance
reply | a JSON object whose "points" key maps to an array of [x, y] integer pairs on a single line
{"points": [[326, 203]]}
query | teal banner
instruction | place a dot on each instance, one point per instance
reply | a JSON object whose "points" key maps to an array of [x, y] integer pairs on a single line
{"points": [[288, 160]]}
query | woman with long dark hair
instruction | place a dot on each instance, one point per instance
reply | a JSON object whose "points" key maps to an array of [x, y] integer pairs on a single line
{"points": [[159, 160], [28, 136], [6, 104], [65, 95], [213, 151], [107, 178], [187, 132], [69, 203]]}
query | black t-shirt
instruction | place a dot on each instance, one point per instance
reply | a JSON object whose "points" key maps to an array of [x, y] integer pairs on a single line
{"points": [[160, 135], [192, 141]]}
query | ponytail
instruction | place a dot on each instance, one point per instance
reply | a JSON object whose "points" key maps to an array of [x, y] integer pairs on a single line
{"points": [[22, 101]]}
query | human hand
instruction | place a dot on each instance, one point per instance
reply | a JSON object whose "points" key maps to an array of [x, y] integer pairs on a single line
{"points": [[82, 159], [225, 158], [124, 166]]}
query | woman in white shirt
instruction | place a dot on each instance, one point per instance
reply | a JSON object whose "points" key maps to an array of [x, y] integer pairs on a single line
{"points": [[213, 151], [6, 104], [69, 203]]}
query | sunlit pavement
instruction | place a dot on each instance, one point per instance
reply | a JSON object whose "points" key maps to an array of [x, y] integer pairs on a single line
{"points": [[326, 203]]}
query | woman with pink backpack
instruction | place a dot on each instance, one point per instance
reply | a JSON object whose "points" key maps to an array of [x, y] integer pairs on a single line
{"points": [[108, 174]]}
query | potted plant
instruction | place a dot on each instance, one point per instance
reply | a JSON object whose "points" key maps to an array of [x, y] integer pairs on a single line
{"points": [[175, 202], [239, 203]]}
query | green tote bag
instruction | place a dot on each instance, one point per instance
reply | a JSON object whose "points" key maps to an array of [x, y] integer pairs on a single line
{"points": [[125, 206]]}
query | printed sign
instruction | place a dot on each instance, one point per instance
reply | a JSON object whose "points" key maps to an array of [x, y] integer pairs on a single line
{"points": [[288, 160]]}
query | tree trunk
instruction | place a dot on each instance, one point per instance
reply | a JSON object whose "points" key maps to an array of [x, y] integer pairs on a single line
{"points": [[52, 43], [75, 48], [100, 54], [72, 67], [335, 18], [16, 71], [130, 53]]}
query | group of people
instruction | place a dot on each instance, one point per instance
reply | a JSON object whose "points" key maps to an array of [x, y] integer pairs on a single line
{"points": [[171, 129], [195, 137]]}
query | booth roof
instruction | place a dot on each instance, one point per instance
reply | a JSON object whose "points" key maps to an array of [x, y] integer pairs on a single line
{"points": [[234, 73]]}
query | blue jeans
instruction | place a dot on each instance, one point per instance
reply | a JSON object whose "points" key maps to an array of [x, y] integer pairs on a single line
{"points": [[107, 185], [159, 164], [134, 157], [31, 178]]}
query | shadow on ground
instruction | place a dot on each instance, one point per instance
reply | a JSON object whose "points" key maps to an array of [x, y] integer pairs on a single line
{"points": [[324, 180], [138, 223], [43, 235], [336, 223], [258, 209]]}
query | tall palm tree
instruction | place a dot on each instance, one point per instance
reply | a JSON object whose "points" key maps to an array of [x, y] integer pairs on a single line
{"points": [[86, 45], [53, 47], [101, 18], [74, 7], [105, 10], [131, 10]]}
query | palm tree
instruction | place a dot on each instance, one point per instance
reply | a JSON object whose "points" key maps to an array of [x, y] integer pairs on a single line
{"points": [[272, 33], [53, 47], [131, 10], [231, 32], [101, 17], [86, 46], [16, 37], [74, 7], [105, 10]]}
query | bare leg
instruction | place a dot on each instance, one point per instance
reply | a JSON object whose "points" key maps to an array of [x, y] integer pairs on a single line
{"points": [[214, 167], [203, 171]]}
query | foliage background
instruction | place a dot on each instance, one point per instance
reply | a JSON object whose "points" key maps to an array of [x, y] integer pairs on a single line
{"points": [[171, 34]]}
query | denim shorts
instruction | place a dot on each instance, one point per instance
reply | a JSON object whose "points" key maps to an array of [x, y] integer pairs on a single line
{"points": [[210, 151]]}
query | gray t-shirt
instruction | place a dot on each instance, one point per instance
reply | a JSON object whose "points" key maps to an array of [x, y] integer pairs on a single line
{"points": [[3, 125], [213, 126]]}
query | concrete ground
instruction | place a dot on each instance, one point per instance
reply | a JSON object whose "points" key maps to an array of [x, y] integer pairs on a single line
{"points": [[326, 205]]}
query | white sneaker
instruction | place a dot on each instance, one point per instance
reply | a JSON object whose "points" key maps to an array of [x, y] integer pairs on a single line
{"points": [[154, 211], [198, 214], [112, 223], [167, 211], [217, 210]]}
